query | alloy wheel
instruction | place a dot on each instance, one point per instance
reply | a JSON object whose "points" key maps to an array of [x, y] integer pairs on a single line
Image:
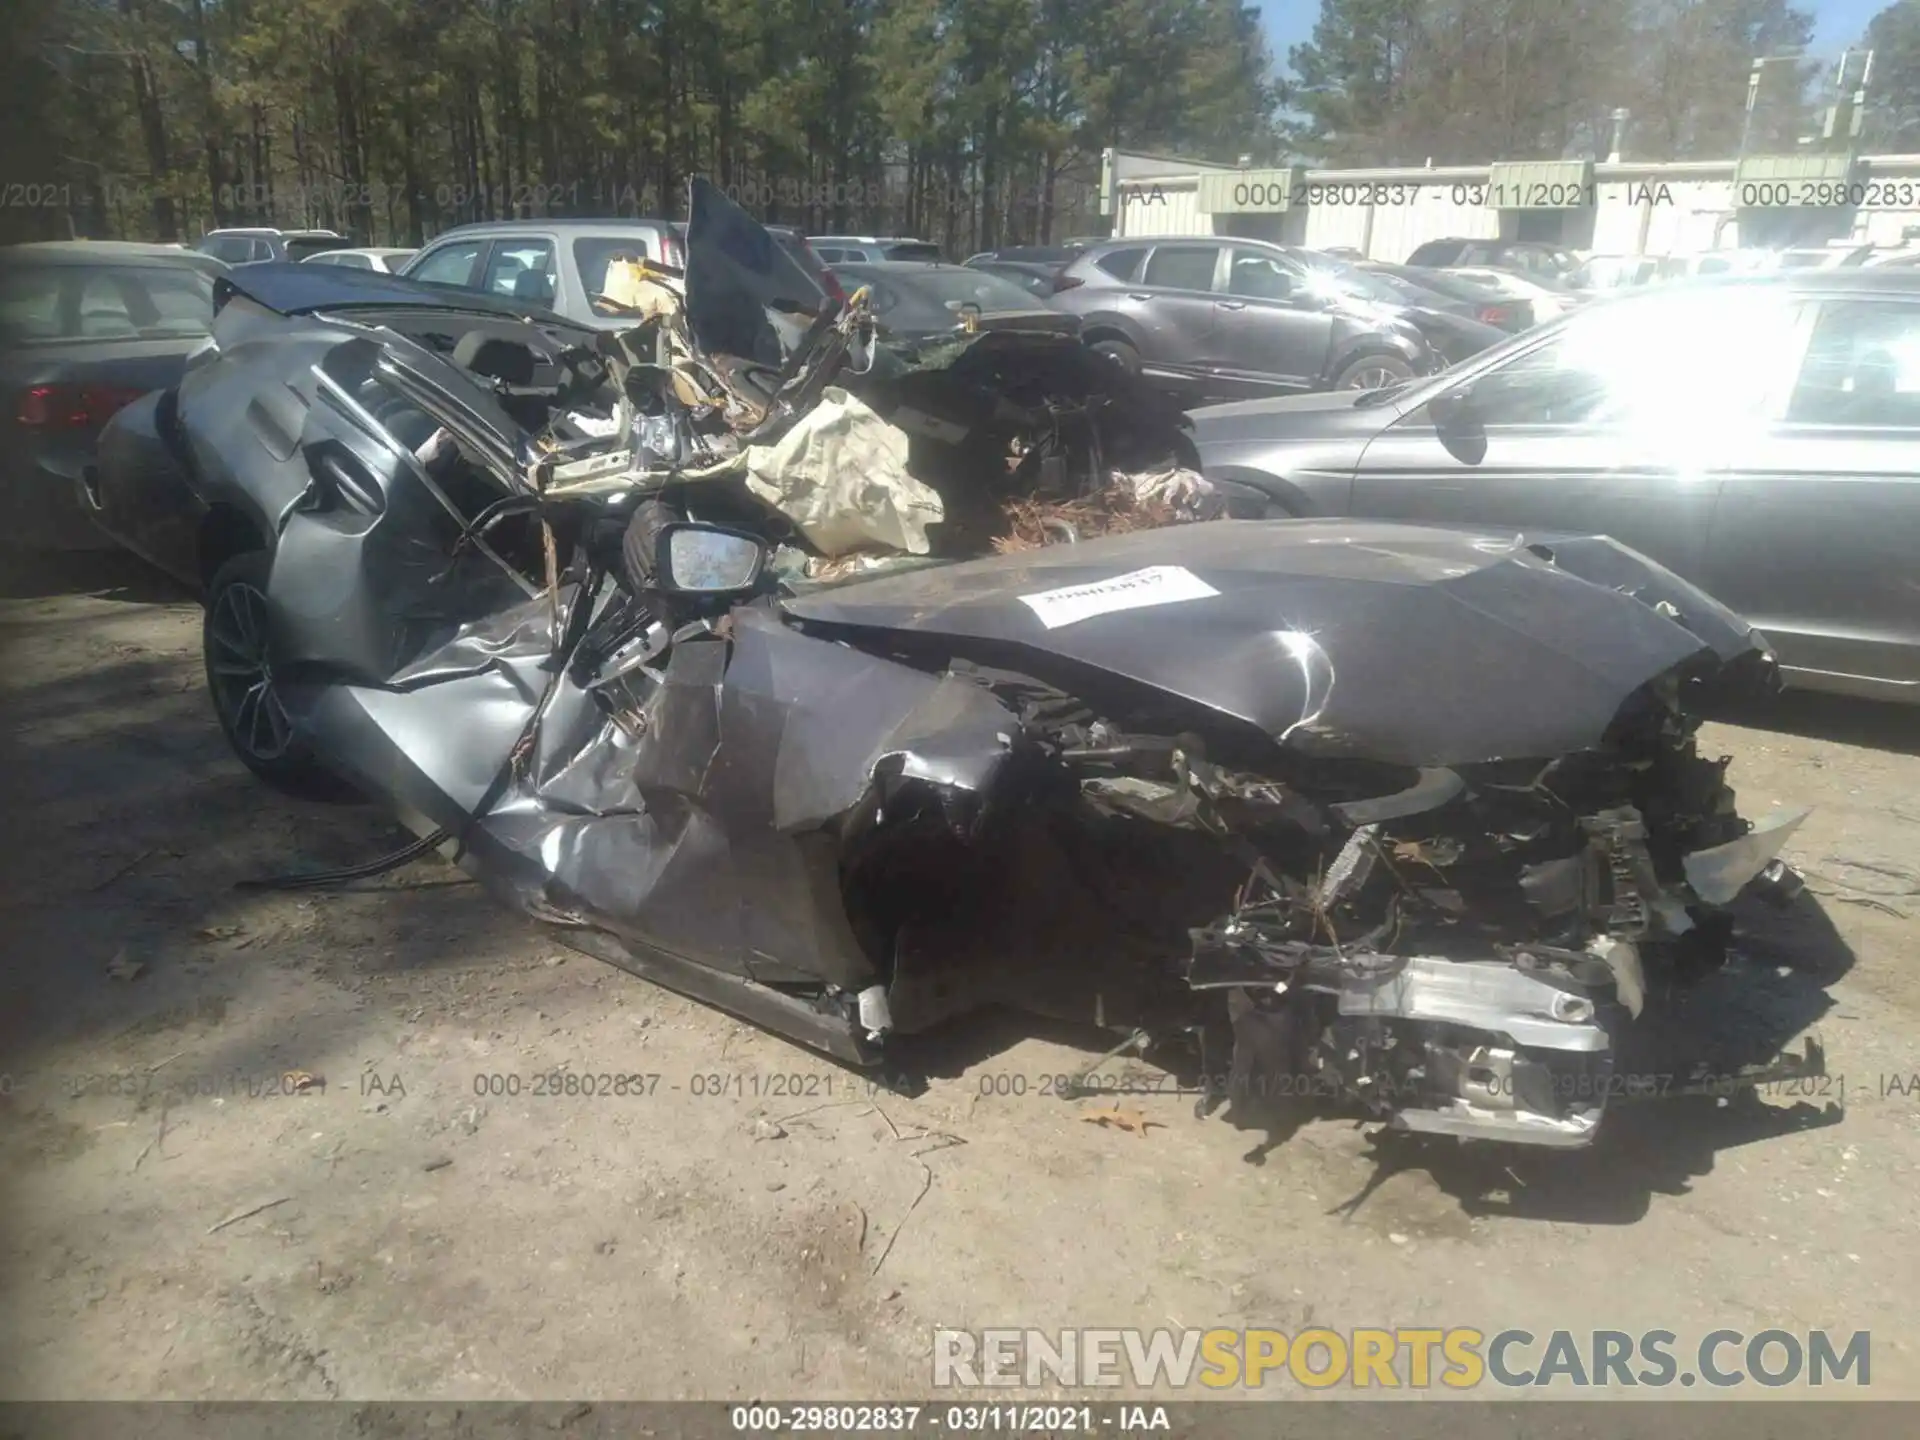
{"points": [[1372, 377], [242, 677]]}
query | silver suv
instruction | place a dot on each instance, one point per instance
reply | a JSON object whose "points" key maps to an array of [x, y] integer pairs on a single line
{"points": [[558, 264]]}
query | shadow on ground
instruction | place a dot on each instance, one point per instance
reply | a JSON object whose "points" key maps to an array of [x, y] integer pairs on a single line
{"points": [[106, 574], [126, 826]]}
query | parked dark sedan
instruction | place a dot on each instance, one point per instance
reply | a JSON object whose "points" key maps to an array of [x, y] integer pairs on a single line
{"points": [[1033, 276], [1451, 326], [912, 301], [1508, 314], [1760, 436], [1052, 256], [1229, 318], [86, 326], [1535, 257]]}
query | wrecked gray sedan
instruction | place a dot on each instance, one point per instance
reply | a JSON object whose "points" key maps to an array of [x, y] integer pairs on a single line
{"points": [[852, 688]]}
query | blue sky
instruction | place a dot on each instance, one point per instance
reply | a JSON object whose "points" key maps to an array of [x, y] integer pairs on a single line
{"points": [[1839, 23]]}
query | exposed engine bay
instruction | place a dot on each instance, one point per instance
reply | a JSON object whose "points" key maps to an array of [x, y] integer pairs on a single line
{"points": [[1458, 954]]}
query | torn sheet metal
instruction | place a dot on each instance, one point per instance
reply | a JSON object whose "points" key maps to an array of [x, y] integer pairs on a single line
{"points": [[1622, 958], [1601, 561], [702, 835], [840, 474], [746, 296], [1718, 874], [1463, 1120], [1476, 994]]}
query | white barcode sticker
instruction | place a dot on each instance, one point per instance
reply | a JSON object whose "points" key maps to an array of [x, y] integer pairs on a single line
{"points": [[1156, 585]]}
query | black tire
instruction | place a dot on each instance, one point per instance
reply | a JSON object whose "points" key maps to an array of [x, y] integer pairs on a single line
{"points": [[1120, 352], [1372, 372], [240, 684]]}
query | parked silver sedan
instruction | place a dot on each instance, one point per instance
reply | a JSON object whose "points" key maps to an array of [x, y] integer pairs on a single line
{"points": [[1759, 436]]}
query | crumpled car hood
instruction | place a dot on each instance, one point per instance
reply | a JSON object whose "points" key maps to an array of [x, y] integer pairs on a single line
{"points": [[1397, 643]]}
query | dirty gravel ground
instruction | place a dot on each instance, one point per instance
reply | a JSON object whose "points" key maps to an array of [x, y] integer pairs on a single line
{"points": [[758, 1223]]}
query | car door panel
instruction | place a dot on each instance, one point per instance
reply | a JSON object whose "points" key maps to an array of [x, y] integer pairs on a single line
{"points": [[1173, 322], [1814, 540], [1618, 423], [1815, 534], [1178, 329], [1541, 477], [1267, 339]]}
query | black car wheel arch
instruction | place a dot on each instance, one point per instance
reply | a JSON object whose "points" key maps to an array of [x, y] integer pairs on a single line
{"points": [[224, 532], [1118, 349]]}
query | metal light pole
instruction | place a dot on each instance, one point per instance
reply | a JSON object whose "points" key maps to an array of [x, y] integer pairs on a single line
{"points": [[1845, 116], [1760, 63]]}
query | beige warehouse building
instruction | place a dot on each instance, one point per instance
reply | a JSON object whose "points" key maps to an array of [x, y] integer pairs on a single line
{"points": [[1607, 207]]}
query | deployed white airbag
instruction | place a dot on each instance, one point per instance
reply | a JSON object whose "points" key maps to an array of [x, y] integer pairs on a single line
{"points": [[840, 474]]}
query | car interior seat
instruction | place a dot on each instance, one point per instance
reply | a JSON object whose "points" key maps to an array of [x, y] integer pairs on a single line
{"points": [[495, 357], [534, 285], [511, 366], [506, 277], [1875, 396]]}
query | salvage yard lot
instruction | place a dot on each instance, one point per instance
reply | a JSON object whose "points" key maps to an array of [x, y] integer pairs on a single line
{"points": [[285, 1144]]}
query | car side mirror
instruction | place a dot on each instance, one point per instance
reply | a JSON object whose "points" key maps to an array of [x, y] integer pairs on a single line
{"points": [[696, 559], [1458, 424]]}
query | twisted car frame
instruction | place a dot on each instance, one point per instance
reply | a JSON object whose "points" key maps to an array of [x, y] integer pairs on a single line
{"points": [[1410, 816]]}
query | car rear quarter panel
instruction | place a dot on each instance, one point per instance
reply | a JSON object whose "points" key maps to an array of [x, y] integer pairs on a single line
{"points": [[228, 411], [141, 494]]}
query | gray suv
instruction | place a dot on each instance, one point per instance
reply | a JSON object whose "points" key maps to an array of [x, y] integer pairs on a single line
{"points": [[558, 264], [1235, 318]]}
